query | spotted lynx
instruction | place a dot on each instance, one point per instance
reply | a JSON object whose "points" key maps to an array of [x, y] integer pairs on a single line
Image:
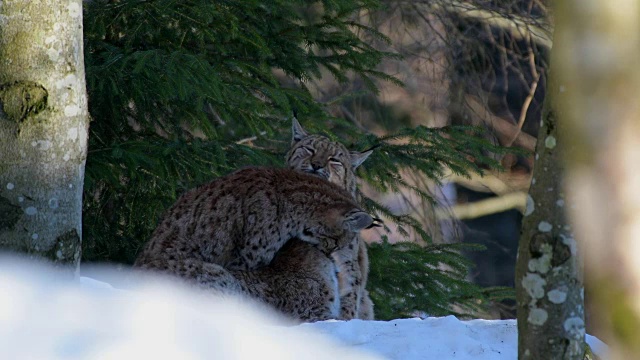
{"points": [[300, 282], [319, 156], [241, 220]]}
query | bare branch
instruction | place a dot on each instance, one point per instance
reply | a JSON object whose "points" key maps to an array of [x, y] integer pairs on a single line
{"points": [[250, 139], [499, 183], [485, 207], [525, 108], [515, 25], [505, 128]]}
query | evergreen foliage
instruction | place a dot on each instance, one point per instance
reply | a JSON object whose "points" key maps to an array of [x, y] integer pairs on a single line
{"points": [[184, 91], [173, 84], [412, 280]]}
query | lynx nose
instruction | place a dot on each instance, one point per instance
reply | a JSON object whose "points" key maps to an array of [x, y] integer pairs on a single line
{"points": [[316, 166]]}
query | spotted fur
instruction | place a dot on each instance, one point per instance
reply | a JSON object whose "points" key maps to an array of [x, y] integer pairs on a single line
{"points": [[300, 282], [241, 220], [330, 160]]}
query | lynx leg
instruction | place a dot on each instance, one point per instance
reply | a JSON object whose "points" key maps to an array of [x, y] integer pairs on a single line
{"points": [[349, 280], [365, 311], [365, 308]]}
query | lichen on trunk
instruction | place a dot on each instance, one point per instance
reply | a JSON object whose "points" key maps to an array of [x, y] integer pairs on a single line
{"points": [[549, 291], [43, 129]]}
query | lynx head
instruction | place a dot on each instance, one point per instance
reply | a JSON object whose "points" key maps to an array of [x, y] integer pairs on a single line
{"points": [[318, 155], [335, 227]]}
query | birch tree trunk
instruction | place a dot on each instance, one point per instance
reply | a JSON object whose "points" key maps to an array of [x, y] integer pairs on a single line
{"points": [[548, 274], [43, 128], [598, 47]]}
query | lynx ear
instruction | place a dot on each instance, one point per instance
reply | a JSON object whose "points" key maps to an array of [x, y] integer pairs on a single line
{"points": [[357, 221], [357, 158], [297, 131]]}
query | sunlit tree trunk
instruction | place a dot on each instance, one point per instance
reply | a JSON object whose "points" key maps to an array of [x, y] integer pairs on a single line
{"points": [[548, 276], [597, 58], [43, 128]]}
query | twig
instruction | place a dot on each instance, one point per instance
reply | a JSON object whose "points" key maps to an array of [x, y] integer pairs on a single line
{"points": [[250, 139], [517, 26], [503, 127], [532, 92], [490, 183], [215, 115], [473, 210], [525, 108]]}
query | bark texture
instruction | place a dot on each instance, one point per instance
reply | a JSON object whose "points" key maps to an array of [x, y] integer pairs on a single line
{"points": [[548, 275], [598, 47], [43, 128]]}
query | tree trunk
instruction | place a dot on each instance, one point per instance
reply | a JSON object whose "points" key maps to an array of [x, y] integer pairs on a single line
{"points": [[43, 128], [598, 49], [548, 275]]}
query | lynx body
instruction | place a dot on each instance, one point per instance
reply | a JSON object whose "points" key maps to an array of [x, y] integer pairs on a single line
{"points": [[241, 220], [301, 281]]}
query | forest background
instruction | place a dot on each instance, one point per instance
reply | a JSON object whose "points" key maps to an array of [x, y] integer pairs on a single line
{"points": [[180, 92], [183, 92]]}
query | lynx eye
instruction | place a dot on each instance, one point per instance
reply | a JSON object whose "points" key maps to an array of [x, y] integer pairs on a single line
{"points": [[309, 150], [335, 162]]}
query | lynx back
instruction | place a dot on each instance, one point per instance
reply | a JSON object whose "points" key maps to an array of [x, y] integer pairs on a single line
{"points": [[241, 220]]}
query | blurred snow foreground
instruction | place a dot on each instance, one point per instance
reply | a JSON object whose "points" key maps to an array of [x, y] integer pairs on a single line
{"points": [[45, 316]]}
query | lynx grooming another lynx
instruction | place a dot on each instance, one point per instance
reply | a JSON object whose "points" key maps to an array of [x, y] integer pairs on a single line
{"points": [[241, 220], [221, 236], [300, 282], [319, 156]]}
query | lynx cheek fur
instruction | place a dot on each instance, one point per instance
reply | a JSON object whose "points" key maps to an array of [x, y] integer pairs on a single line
{"points": [[319, 156], [241, 220]]}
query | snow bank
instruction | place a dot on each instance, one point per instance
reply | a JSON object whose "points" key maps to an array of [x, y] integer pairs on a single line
{"points": [[43, 316], [433, 338]]}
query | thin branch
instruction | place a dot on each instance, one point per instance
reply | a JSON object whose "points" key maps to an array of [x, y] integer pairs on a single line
{"points": [[499, 183], [485, 207], [504, 128], [525, 109], [517, 26], [250, 139], [532, 92]]}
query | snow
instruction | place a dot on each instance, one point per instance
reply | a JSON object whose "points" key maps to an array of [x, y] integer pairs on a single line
{"points": [[47, 315], [433, 338]]}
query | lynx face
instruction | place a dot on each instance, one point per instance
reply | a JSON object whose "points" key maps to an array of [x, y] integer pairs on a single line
{"points": [[330, 160], [336, 229]]}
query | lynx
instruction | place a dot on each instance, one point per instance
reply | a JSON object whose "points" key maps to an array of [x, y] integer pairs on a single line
{"points": [[241, 220], [319, 156], [300, 282]]}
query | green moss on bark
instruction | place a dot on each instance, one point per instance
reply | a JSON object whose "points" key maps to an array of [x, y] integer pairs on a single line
{"points": [[22, 99]]}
